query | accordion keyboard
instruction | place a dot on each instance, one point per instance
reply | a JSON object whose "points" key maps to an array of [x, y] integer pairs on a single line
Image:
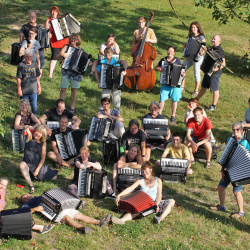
{"points": [[175, 163], [48, 212], [129, 171], [104, 68], [163, 77], [55, 125]]}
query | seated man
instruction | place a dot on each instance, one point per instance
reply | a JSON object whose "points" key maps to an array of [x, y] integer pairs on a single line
{"points": [[55, 155], [55, 114], [201, 135], [117, 128], [176, 151], [116, 94], [67, 216], [110, 43], [225, 180]]}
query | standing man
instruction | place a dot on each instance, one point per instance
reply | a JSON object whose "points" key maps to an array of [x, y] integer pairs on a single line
{"points": [[177, 151], [24, 34], [201, 135], [225, 180], [213, 81], [28, 80]]}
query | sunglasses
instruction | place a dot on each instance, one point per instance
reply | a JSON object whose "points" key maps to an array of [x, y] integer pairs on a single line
{"points": [[237, 129]]}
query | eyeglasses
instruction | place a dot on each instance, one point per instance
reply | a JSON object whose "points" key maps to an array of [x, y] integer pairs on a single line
{"points": [[236, 129], [104, 104]]}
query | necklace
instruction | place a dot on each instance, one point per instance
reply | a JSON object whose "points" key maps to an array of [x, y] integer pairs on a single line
{"points": [[149, 181]]}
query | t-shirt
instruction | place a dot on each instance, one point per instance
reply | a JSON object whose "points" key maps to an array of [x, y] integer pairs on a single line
{"points": [[113, 113], [52, 114], [180, 153], [128, 139], [36, 46], [199, 131], [138, 38], [220, 51], [113, 62], [175, 60], [247, 115], [25, 29], [28, 75], [244, 143], [57, 131], [76, 170], [103, 47]]}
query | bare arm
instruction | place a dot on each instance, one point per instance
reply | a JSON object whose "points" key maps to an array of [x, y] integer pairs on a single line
{"points": [[17, 123], [88, 164], [35, 120], [47, 25], [21, 37], [77, 122], [29, 135], [159, 193], [208, 136], [143, 150], [19, 89], [36, 209], [38, 85], [43, 119], [159, 68], [38, 59], [122, 164], [62, 53]]}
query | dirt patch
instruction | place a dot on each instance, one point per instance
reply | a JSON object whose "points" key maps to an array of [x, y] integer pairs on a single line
{"points": [[15, 26], [43, 12]]}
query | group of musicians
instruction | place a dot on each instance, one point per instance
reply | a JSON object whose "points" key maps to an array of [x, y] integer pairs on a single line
{"points": [[135, 140]]}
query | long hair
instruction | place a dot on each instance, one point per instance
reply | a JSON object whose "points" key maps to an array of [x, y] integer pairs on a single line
{"points": [[43, 131], [29, 108], [190, 33], [137, 147], [77, 37]]}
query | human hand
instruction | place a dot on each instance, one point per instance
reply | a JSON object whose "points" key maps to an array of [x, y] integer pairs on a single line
{"points": [[39, 90], [49, 131], [90, 63], [66, 55], [59, 159], [74, 126], [20, 92], [157, 209], [99, 86], [124, 72], [117, 199], [194, 147], [36, 172], [39, 209]]}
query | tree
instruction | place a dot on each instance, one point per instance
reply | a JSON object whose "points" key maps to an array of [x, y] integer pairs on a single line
{"points": [[223, 10]]}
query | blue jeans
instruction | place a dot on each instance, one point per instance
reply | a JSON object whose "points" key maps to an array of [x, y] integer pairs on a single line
{"points": [[32, 98]]}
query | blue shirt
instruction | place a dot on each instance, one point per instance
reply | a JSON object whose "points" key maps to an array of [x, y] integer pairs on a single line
{"points": [[244, 143], [104, 61], [35, 202]]}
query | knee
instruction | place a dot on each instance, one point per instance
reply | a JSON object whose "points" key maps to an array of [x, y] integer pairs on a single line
{"points": [[73, 90], [65, 219], [158, 163], [22, 166], [50, 154], [220, 189], [54, 178], [237, 194], [63, 90], [171, 203]]}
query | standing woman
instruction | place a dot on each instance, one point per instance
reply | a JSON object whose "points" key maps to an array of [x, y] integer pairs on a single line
{"points": [[139, 33], [54, 44], [34, 157], [194, 31], [68, 75]]}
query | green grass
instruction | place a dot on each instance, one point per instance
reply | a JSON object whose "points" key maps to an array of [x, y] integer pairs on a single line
{"points": [[191, 225]]}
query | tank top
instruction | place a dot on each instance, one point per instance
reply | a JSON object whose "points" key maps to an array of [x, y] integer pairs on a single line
{"points": [[152, 192], [127, 160]]}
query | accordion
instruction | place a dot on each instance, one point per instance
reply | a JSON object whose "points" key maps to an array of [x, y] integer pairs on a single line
{"points": [[64, 26], [56, 200], [111, 77], [15, 59], [172, 74], [92, 183], [110, 151], [77, 60], [157, 129], [43, 37], [192, 49], [18, 140], [115, 56], [174, 170], [99, 128], [138, 202], [210, 61], [69, 144], [236, 159]]}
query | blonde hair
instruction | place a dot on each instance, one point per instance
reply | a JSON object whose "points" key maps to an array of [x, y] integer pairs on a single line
{"points": [[77, 37], [43, 131], [84, 148], [29, 108], [137, 147]]}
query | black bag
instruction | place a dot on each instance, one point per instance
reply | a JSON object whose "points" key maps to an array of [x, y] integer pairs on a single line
{"points": [[15, 59], [110, 151]]}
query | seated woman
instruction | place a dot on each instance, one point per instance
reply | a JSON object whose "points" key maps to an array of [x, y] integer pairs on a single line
{"points": [[117, 128], [153, 187], [3, 185], [132, 160], [136, 136], [110, 43], [193, 103], [25, 118], [34, 157], [116, 94], [246, 122], [83, 162], [154, 108]]}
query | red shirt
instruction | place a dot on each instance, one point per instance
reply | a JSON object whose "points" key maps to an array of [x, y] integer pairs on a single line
{"points": [[53, 42], [199, 130]]}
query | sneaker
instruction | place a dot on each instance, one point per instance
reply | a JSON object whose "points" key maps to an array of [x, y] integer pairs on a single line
{"points": [[151, 146], [112, 196], [157, 220], [82, 205], [172, 119], [47, 228], [103, 222], [117, 221], [218, 208], [161, 147], [237, 215], [85, 230], [211, 108]]}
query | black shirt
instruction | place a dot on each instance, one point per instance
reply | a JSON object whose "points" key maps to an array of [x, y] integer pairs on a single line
{"points": [[52, 115], [128, 139], [57, 131], [25, 29], [76, 170], [220, 51]]}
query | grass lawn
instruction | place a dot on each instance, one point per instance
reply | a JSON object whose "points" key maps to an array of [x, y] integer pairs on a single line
{"points": [[191, 225]]}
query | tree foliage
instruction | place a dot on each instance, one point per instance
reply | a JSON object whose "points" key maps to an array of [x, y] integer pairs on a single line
{"points": [[223, 10]]}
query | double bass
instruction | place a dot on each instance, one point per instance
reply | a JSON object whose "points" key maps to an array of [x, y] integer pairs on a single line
{"points": [[140, 75]]}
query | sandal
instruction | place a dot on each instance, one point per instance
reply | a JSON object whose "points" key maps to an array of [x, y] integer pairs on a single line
{"points": [[183, 89], [208, 164], [72, 110], [195, 93], [32, 189], [105, 220], [237, 215], [47, 228]]}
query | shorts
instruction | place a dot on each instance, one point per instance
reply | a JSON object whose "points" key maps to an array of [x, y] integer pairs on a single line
{"points": [[65, 83], [167, 92], [42, 58], [211, 82], [70, 212], [55, 52], [226, 182], [196, 141], [163, 204]]}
